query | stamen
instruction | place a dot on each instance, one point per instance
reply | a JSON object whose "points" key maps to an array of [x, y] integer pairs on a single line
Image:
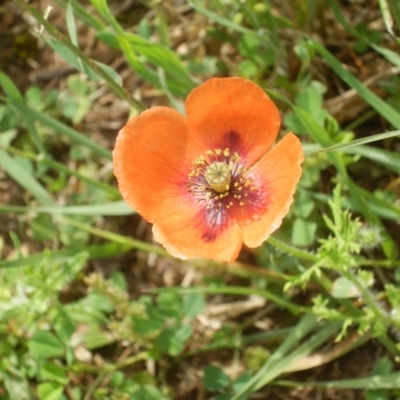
{"points": [[220, 180]]}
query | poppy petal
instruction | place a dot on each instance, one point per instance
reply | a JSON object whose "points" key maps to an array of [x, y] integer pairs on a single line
{"points": [[233, 113], [277, 172], [151, 160], [185, 232]]}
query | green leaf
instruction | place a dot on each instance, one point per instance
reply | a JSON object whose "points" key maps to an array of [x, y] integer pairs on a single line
{"points": [[193, 304], [303, 232], [65, 130], [69, 56], [71, 24], [215, 379], [15, 96], [49, 391], [147, 392], [17, 387], [24, 179], [172, 340], [343, 288], [219, 19], [44, 344], [147, 326], [383, 108], [42, 228], [10, 89], [391, 381], [53, 372], [346, 146], [241, 381], [304, 205], [104, 250], [112, 73], [384, 366], [160, 56], [169, 305]]}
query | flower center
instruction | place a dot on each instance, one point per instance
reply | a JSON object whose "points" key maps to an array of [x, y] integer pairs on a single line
{"points": [[218, 176], [221, 180]]}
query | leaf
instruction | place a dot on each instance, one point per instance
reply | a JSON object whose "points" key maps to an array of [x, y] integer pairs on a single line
{"points": [[193, 304], [147, 392], [303, 232], [53, 372], [65, 130], [241, 380], [49, 391], [10, 89], [44, 344], [43, 228], [215, 379], [384, 109], [15, 96], [375, 382], [220, 20], [71, 24], [172, 340], [169, 305], [24, 179], [357, 142], [160, 56], [17, 387], [112, 73], [344, 289], [52, 257]]}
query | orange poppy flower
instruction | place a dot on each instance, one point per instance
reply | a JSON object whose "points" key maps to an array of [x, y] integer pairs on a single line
{"points": [[210, 181]]}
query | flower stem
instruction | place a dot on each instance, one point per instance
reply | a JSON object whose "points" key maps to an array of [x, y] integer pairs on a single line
{"points": [[294, 251]]}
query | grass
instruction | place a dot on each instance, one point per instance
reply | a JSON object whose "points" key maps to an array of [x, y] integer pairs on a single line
{"points": [[92, 308]]}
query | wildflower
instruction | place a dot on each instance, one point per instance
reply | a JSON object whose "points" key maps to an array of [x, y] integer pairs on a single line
{"points": [[210, 181]]}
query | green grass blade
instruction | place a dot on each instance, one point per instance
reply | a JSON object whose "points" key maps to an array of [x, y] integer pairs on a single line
{"points": [[64, 130], [376, 382], [220, 20], [11, 91], [383, 108], [394, 7], [390, 55], [15, 96], [88, 63], [388, 159], [100, 251], [357, 142], [25, 179], [116, 208], [306, 325], [71, 25], [83, 14], [320, 337]]}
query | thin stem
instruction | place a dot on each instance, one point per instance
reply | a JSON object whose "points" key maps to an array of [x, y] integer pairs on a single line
{"points": [[378, 263], [294, 251]]}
